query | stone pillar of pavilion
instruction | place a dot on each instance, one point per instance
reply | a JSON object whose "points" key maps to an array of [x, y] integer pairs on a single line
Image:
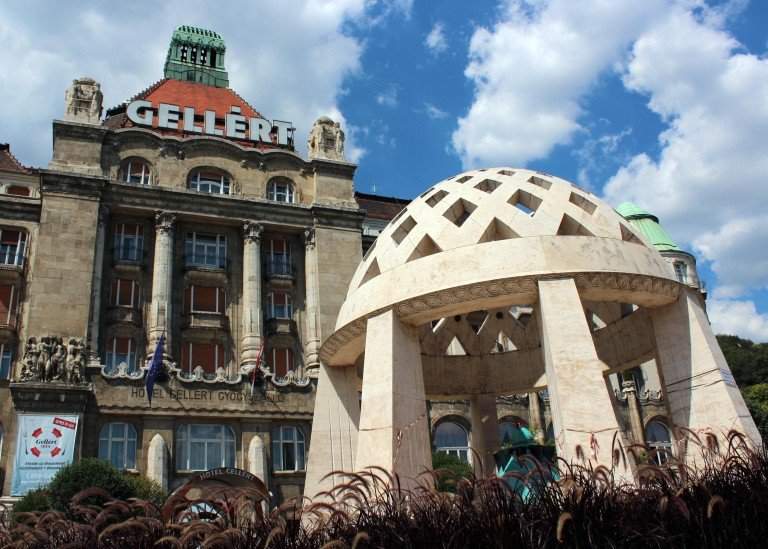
{"points": [[698, 384], [485, 433], [98, 270], [629, 389], [312, 341], [162, 282], [583, 426], [394, 428], [536, 417], [251, 300]]}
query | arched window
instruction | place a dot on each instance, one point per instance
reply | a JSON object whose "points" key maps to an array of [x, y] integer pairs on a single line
{"points": [[202, 447], [117, 445], [280, 305], [281, 190], [208, 180], [681, 271], [659, 440], [452, 439], [287, 448], [136, 171], [121, 351]]}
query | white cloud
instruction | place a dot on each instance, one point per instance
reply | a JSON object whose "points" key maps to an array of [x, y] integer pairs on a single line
{"points": [[597, 151], [531, 69], [708, 184], [289, 59], [388, 97], [434, 112], [734, 317], [435, 40]]}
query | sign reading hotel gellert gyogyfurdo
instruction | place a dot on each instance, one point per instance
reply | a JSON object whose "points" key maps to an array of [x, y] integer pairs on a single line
{"points": [[45, 444], [236, 125]]}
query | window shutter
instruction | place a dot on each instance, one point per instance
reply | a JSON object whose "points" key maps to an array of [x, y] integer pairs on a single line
{"points": [[18, 190], [187, 301], [126, 294], [122, 345], [6, 294], [205, 299], [10, 237]]}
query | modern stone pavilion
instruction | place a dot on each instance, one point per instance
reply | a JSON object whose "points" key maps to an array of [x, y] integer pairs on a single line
{"points": [[462, 262]]}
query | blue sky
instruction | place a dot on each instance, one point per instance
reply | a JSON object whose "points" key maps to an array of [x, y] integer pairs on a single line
{"points": [[662, 102]]}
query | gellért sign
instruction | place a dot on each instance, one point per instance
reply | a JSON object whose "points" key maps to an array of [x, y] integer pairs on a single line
{"points": [[236, 125]]}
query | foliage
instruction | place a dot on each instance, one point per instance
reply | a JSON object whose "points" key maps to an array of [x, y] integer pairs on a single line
{"points": [[719, 505], [34, 500], [146, 488], [756, 397], [86, 473], [749, 364], [451, 469]]}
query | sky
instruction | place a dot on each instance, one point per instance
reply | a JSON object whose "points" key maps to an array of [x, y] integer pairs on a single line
{"points": [[660, 102]]}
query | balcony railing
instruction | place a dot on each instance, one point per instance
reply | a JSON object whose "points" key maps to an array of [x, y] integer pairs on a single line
{"points": [[206, 261]]}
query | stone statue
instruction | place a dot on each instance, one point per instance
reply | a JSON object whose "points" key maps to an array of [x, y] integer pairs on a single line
{"points": [[82, 101], [51, 360], [326, 140]]}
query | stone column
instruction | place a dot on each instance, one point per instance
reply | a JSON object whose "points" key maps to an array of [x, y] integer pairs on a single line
{"points": [[582, 425], [394, 428], [629, 390], [157, 461], [536, 417], [333, 444], [162, 282], [697, 382], [312, 339], [98, 269], [251, 300], [485, 433]]}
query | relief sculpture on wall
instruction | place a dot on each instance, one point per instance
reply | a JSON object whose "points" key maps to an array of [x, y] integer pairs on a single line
{"points": [[54, 359]]}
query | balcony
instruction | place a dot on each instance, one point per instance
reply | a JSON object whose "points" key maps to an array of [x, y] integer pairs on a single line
{"points": [[128, 259], [11, 267], [8, 325], [206, 262], [280, 326], [123, 315], [280, 271], [205, 321]]}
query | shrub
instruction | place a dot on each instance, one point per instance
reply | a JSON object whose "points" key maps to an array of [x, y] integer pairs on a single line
{"points": [[35, 500], [87, 473], [145, 488], [454, 468]]}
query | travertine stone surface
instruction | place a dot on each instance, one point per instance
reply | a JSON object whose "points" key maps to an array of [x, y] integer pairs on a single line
{"points": [[485, 433], [251, 310], [257, 458], [334, 428], [394, 432], [312, 341], [157, 461], [574, 371], [161, 307], [699, 386]]}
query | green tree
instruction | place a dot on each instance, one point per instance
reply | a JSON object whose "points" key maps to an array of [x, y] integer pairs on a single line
{"points": [[454, 468], [86, 473]]}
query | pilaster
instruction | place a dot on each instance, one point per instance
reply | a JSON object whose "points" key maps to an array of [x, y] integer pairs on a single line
{"points": [[162, 281], [251, 310]]}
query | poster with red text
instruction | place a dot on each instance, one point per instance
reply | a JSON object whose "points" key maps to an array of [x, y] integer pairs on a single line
{"points": [[44, 444]]}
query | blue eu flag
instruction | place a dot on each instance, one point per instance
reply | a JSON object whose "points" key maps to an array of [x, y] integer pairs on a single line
{"points": [[155, 367]]}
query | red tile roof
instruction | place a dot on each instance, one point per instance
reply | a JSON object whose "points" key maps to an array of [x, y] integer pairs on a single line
{"points": [[8, 162], [201, 97], [380, 207]]}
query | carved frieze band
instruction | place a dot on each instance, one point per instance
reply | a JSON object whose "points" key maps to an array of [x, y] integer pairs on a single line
{"points": [[54, 359]]}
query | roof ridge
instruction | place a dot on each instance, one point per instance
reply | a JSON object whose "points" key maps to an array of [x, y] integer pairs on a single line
{"points": [[6, 148], [141, 95], [241, 98]]}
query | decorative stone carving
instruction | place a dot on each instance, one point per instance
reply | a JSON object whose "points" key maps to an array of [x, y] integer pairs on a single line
{"points": [[54, 359], [82, 101], [326, 140], [252, 231]]}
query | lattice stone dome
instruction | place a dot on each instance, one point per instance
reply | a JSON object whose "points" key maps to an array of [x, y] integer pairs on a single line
{"points": [[488, 205]]}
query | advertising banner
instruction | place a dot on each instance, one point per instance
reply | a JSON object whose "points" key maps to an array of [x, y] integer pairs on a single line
{"points": [[45, 444]]}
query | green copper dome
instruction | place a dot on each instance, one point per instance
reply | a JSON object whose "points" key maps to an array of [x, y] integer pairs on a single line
{"points": [[647, 224]]}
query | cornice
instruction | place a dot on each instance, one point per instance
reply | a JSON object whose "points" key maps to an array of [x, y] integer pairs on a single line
{"points": [[79, 130], [58, 182], [27, 209]]}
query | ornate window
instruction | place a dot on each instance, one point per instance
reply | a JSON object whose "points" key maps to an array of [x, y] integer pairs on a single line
{"points": [[282, 361], [287, 448], [209, 356], [204, 299], [681, 271], [278, 253], [121, 350], [281, 190], [206, 250], [136, 171], [452, 439], [202, 447], [124, 293], [280, 305], [209, 181], [6, 360], [12, 245], [659, 440], [7, 305], [129, 242], [117, 445]]}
